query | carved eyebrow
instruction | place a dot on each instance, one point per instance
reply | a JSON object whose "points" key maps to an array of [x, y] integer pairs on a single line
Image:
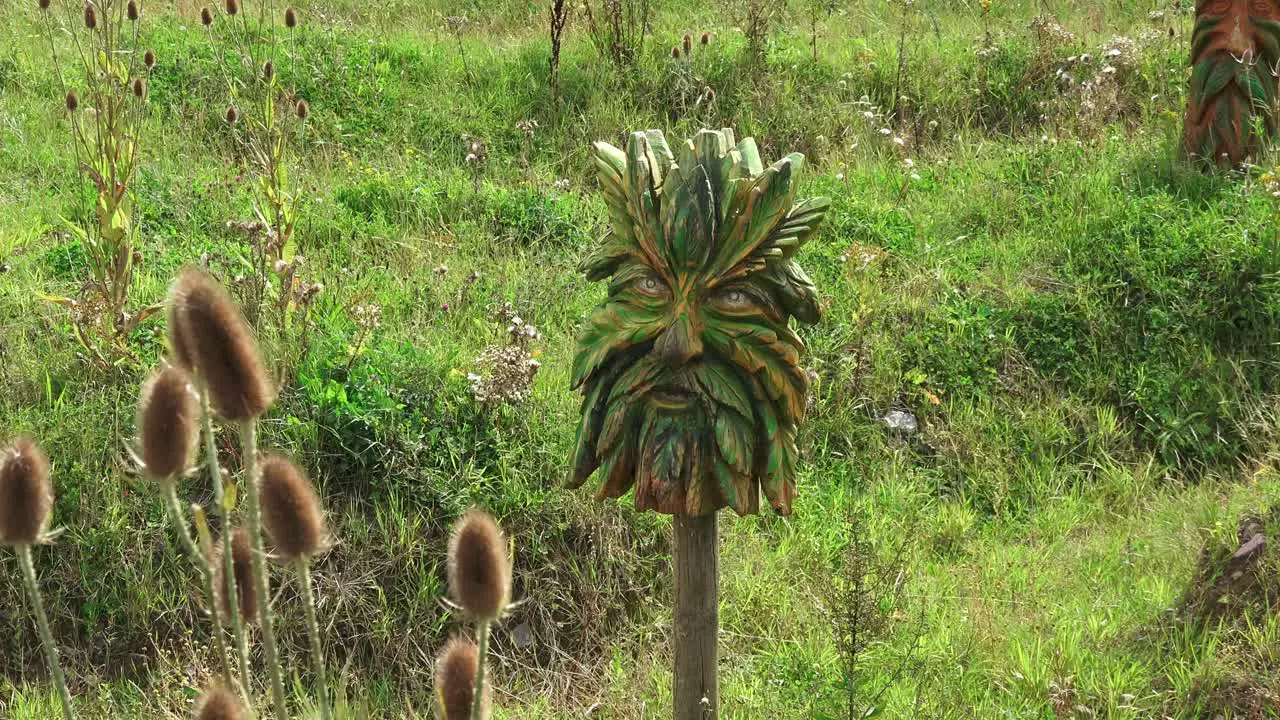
{"points": [[629, 273]]}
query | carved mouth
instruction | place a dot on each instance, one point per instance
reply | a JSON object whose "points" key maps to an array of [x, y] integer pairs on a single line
{"points": [[672, 397]]}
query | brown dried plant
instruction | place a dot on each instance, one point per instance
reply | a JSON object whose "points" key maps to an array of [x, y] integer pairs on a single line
{"points": [[101, 69], [256, 55]]}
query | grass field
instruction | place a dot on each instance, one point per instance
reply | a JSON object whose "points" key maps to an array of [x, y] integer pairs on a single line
{"points": [[1087, 330]]}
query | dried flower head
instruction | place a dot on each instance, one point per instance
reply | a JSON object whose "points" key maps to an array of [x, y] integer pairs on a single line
{"points": [[90, 16], [26, 494], [687, 43], [456, 680], [206, 16], [290, 17], [479, 569], [149, 58], [268, 71], [222, 346], [218, 703], [232, 6], [291, 511], [675, 52], [131, 10], [168, 423], [73, 102], [139, 87], [233, 115], [44, 4], [242, 569], [705, 39], [302, 109]]}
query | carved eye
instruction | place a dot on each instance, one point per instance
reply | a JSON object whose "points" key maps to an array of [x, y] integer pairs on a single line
{"points": [[650, 285], [734, 298]]}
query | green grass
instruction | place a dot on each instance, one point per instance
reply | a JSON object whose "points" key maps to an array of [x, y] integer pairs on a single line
{"points": [[1086, 329]]}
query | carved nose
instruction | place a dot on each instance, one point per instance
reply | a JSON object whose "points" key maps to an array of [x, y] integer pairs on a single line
{"points": [[680, 343]]}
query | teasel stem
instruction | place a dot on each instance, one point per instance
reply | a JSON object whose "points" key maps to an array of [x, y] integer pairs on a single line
{"points": [[228, 563], [249, 443], [206, 569], [313, 629], [201, 562], [482, 646], [46, 635]]}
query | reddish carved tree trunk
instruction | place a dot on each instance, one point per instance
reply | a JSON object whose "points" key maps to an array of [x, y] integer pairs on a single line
{"points": [[1235, 48]]}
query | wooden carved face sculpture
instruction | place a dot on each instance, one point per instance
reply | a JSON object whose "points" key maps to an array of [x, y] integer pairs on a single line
{"points": [[1235, 56], [690, 369]]}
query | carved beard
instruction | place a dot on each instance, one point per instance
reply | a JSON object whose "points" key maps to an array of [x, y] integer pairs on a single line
{"points": [[689, 439], [690, 369], [1235, 53]]}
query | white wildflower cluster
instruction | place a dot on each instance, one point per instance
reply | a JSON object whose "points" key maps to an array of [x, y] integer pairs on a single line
{"points": [[506, 372], [367, 316], [1050, 34]]}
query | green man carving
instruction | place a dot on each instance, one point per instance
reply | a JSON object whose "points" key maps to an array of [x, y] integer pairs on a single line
{"points": [[693, 388]]}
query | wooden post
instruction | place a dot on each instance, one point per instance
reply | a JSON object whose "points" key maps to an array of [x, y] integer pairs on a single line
{"points": [[695, 554]]}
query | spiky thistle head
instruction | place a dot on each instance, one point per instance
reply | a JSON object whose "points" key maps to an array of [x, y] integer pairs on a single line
{"points": [[479, 569], [268, 71], [691, 370], [131, 11], [242, 570], [675, 52], [73, 101], [44, 4], [168, 423], [149, 59], [218, 703], [26, 493], [90, 16], [232, 116], [139, 88], [206, 16], [705, 39], [232, 6], [687, 43], [456, 680], [291, 512], [302, 109], [219, 342], [290, 18]]}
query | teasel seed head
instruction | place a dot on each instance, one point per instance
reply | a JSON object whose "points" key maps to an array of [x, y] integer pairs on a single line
{"points": [[232, 6], [149, 58], [206, 16], [222, 347], [675, 52], [291, 512], [44, 4], [242, 568], [687, 43], [233, 115], [131, 10], [219, 703], [268, 70], [139, 87], [705, 39], [90, 16], [168, 423], [303, 109], [73, 102], [26, 494], [456, 680], [479, 569], [290, 18]]}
